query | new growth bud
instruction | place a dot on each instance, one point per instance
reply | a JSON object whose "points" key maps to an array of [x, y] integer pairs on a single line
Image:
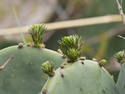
{"points": [[71, 47], [73, 54], [48, 68], [37, 32], [120, 56], [103, 62]]}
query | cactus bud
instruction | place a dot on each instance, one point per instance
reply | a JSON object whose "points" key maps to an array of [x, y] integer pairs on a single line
{"points": [[36, 32], [48, 68], [72, 55], [103, 62], [120, 56], [71, 47]]}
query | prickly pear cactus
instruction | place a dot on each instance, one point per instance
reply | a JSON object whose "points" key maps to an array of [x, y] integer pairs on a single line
{"points": [[23, 75], [81, 77], [78, 75], [121, 79]]}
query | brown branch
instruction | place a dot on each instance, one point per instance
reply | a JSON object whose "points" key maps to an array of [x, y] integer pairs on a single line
{"points": [[67, 24], [4, 65], [121, 2], [121, 10]]}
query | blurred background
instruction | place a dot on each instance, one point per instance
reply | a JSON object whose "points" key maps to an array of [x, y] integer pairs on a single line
{"points": [[101, 40]]}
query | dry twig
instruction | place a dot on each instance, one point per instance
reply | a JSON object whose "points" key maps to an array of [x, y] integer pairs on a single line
{"points": [[120, 10], [66, 24], [4, 65]]}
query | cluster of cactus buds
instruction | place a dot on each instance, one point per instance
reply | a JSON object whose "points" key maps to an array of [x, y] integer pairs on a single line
{"points": [[37, 32], [71, 47], [120, 56], [75, 71], [48, 68]]}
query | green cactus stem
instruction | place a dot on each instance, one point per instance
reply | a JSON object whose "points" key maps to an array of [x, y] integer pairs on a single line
{"points": [[48, 68], [71, 47], [37, 32]]}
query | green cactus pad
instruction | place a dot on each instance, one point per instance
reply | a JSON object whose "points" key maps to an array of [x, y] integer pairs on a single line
{"points": [[23, 73], [121, 80], [81, 77]]}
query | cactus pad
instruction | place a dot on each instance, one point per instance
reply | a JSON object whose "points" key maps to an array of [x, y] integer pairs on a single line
{"points": [[81, 77], [23, 73], [121, 80]]}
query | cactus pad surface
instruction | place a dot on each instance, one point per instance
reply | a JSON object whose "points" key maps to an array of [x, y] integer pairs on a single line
{"points": [[23, 74], [81, 77]]}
